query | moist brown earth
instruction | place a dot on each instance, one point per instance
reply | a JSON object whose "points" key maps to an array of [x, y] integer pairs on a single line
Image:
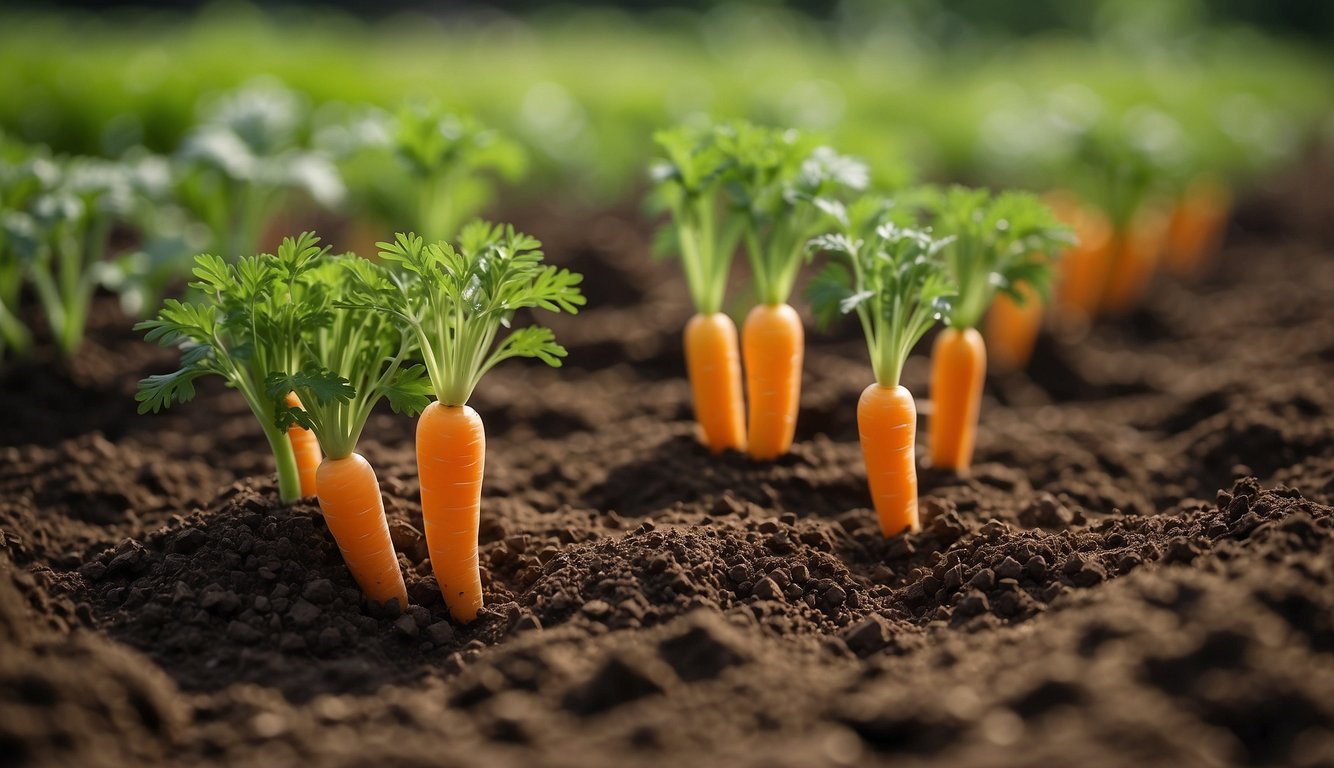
{"points": [[1140, 568]]}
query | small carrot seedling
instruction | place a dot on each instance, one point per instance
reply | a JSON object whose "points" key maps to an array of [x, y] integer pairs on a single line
{"points": [[897, 283], [689, 181], [456, 299], [998, 243], [245, 326], [344, 367], [779, 182]]}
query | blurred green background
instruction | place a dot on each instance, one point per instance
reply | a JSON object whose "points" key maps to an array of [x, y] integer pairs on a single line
{"points": [[969, 89]]}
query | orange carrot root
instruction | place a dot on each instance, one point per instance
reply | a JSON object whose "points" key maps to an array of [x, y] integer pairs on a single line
{"points": [[1138, 252], [958, 371], [713, 364], [354, 511], [451, 455], [1084, 267], [307, 450], [772, 346], [887, 425], [1012, 329], [1197, 226]]}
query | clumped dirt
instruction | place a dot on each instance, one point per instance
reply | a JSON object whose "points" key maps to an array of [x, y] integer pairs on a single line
{"points": [[1140, 568]]}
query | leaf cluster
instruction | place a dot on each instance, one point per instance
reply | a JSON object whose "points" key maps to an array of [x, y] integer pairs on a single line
{"points": [[457, 297], [999, 242], [894, 277]]}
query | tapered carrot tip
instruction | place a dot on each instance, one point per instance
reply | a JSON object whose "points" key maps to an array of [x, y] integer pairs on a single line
{"points": [[772, 347], [349, 496], [451, 455], [887, 426], [958, 371], [713, 364]]}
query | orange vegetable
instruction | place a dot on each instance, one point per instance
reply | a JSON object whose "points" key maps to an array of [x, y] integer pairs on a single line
{"points": [[887, 428], [772, 345], [306, 447], [958, 370], [713, 365], [349, 496], [1136, 253], [1197, 226], [451, 454], [1083, 268], [1012, 329]]}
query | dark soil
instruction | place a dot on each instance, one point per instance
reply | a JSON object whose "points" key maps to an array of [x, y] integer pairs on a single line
{"points": [[1140, 569]]}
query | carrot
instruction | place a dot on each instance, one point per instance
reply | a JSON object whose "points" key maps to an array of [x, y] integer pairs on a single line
{"points": [[1084, 267], [898, 286], [342, 369], [1197, 225], [690, 185], [772, 345], [1137, 251], [993, 243], [451, 454], [454, 301], [353, 508], [1012, 329], [713, 366], [783, 185], [306, 448], [958, 371]]}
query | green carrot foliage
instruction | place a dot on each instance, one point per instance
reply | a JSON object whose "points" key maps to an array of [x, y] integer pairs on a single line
{"points": [[893, 277]]}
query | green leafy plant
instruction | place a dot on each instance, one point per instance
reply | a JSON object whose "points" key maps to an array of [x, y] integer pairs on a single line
{"points": [[343, 368], [456, 300], [449, 164], [243, 160], [997, 243], [689, 184], [893, 277], [779, 181], [246, 326]]}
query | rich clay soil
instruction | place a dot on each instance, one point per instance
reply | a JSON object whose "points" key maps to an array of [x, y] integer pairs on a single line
{"points": [[1140, 569]]}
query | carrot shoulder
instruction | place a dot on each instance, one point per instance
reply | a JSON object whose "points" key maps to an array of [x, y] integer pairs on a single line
{"points": [[1012, 329], [451, 455], [773, 345], [349, 496], [713, 365], [958, 371]]}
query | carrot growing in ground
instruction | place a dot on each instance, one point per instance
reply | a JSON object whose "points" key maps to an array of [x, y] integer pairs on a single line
{"points": [[244, 327], [1197, 225], [1083, 266], [455, 300], [346, 366], [997, 244], [689, 181], [896, 281], [780, 181]]}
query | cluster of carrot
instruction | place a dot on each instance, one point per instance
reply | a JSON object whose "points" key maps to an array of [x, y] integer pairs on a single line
{"points": [[313, 341], [1120, 249], [900, 264]]}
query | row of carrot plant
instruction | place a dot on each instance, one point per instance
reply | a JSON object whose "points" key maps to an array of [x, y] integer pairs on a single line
{"points": [[313, 340]]}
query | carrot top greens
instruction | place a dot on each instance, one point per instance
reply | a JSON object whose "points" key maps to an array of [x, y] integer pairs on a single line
{"points": [[997, 242], [779, 181], [345, 366], [690, 181], [245, 327], [893, 277], [456, 298]]}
